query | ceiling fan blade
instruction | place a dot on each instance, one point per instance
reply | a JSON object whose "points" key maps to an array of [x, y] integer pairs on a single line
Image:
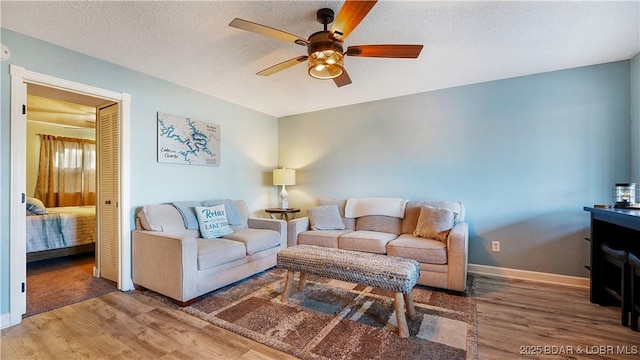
{"points": [[283, 65], [343, 79], [385, 51], [267, 31], [351, 14]]}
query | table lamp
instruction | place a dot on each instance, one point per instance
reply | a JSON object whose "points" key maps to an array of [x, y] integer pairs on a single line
{"points": [[284, 177]]}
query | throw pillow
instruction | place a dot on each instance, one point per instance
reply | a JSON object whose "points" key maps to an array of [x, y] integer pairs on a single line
{"points": [[434, 223], [213, 221], [35, 207], [233, 215], [325, 217]]}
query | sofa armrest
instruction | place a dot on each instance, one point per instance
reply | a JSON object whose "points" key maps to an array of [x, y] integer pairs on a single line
{"points": [[458, 256], [295, 227], [271, 224], [165, 263]]}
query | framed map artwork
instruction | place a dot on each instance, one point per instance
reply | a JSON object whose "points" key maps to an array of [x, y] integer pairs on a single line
{"points": [[185, 141]]}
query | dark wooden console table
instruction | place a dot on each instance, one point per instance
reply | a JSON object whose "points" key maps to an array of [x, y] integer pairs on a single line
{"points": [[285, 214], [620, 228]]}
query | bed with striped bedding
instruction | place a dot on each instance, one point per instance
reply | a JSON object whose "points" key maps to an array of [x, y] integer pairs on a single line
{"points": [[72, 228]]}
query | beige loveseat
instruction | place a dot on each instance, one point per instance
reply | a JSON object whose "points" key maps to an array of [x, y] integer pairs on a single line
{"points": [[171, 258], [443, 263]]}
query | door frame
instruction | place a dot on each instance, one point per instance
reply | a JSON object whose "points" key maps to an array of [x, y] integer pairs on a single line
{"points": [[17, 232]]}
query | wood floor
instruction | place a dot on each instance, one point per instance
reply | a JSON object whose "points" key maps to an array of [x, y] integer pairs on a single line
{"points": [[528, 320], [516, 319]]}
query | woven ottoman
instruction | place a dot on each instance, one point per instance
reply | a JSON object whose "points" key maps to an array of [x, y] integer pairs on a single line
{"points": [[381, 271]]}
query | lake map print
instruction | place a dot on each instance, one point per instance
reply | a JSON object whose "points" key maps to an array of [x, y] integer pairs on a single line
{"points": [[182, 140]]}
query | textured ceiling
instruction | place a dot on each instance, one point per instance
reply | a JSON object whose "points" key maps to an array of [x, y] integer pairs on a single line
{"points": [[191, 44]]}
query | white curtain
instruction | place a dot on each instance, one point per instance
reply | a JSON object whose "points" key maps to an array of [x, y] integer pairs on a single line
{"points": [[67, 171]]}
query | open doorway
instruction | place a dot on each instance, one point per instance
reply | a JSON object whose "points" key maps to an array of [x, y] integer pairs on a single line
{"points": [[61, 192], [119, 237]]}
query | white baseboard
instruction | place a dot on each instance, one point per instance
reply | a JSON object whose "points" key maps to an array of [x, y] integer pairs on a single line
{"points": [[529, 275], [5, 320]]}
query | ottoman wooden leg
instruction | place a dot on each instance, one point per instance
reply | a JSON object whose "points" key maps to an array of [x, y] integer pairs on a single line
{"points": [[303, 281], [411, 310], [287, 286], [403, 329]]}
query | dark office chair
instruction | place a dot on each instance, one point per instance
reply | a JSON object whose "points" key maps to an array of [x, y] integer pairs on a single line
{"points": [[634, 304], [615, 279]]}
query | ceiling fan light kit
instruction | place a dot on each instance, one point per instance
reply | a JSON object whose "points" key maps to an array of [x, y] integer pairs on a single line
{"points": [[326, 56], [324, 48]]}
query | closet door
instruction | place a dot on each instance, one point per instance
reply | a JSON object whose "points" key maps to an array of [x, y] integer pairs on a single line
{"points": [[108, 193]]}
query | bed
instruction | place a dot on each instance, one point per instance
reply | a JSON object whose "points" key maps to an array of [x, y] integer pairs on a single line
{"points": [[61, 231]]}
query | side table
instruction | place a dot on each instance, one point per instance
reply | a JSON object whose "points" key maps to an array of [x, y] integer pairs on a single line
{"points": [[285, 214]]}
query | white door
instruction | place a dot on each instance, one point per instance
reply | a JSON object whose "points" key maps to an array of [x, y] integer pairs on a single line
{"points": [[16, 199], [108, 193], [122, 258]]}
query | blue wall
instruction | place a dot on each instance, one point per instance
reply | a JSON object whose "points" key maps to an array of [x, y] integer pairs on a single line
{"points": [[248, 146], [524, 154]]}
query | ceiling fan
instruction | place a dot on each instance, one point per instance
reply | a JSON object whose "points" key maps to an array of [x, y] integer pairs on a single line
{"points": [[325, 48]]}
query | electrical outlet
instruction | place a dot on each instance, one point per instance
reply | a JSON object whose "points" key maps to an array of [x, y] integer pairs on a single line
{"points": [[495, 246]]}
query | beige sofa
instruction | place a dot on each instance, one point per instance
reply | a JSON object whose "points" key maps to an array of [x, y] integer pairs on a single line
{"points": [[443, 263], [172, 259]]}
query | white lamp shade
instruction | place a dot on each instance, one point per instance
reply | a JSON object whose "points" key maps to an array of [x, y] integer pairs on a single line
{"points": [[284, 177]]}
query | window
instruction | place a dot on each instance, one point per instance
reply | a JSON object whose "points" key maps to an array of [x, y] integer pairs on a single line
{"points": [[66, 172]]}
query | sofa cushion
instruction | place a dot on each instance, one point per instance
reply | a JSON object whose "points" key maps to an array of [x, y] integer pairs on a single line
{"points": [[422, 250], [212, 253], [326, 238], [348, 222], [255, 240], [366, 241], [325, 217], [243, 211], [412, 212], [213, 221], [434, 223], [188, 213], [380, 223], [166, 218]]}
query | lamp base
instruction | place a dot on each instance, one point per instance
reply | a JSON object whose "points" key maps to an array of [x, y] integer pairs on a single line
{"points": [[284, 204]]}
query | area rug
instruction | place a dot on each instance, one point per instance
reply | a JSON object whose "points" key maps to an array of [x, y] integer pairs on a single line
{"points": [[54, 283], [332, 319]]}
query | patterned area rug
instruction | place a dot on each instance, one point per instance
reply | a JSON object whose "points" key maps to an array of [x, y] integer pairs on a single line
{"points": [[332, 319]]}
